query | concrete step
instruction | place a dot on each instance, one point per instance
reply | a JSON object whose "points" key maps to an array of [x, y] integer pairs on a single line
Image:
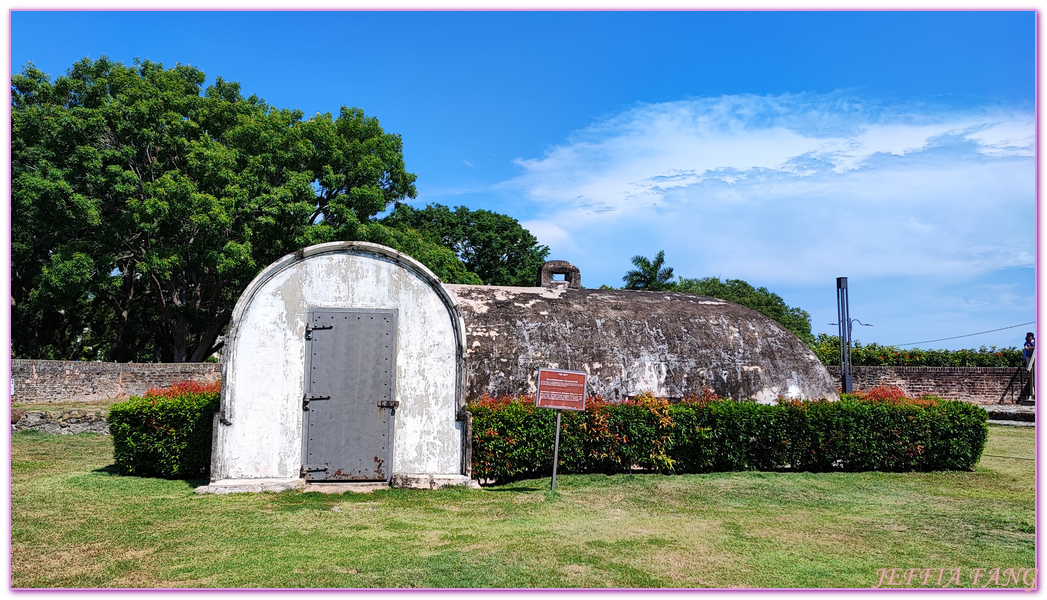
{"points": [[1011, 414]]}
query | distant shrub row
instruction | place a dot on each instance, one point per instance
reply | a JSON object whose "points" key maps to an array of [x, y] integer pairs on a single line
{"points": [[827, 349], [166, 432], [882, 430]]}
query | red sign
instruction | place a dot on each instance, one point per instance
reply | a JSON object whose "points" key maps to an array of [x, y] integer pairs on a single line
{"points": [[561, 390]]}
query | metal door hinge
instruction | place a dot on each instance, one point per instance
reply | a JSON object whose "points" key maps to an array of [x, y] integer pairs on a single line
{"points": [[309, 329], [388, 403], [307, 398]]}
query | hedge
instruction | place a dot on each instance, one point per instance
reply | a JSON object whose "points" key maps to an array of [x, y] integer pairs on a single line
{"points": [[512, 439], [827, 349], [166, 432]]}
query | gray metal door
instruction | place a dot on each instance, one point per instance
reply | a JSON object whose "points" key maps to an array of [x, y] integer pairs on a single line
{"points": [[349, 394]]}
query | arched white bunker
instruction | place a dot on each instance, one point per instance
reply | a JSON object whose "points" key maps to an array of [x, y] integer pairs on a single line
{"points": [[258, 438]]}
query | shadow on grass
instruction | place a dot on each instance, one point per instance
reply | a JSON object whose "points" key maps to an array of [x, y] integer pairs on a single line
{"points": [[113, 469], [517, 488]]}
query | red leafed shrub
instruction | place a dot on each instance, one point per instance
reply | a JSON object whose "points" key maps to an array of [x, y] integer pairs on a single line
{"points": [[708, 396], [889, 394], [647, 400], [486, 401], [183, 388], [883, 393]]}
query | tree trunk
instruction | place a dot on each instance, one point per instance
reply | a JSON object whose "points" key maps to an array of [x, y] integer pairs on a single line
{"points": [[179, 330], [207, 347]]}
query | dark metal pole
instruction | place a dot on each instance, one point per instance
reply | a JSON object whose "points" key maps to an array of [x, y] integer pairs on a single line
{"points": [[844, 320], [556, 448]]}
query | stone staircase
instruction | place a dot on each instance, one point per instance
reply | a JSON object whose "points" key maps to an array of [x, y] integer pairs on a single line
{"points": [[1023, 411], [1028, 395], [1021, 390]]}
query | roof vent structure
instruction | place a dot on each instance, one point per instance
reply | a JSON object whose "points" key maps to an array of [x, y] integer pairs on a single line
{"points": [[572, 277]]}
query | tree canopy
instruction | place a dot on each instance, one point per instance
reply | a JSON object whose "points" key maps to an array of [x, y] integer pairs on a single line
{"points": [[143, 205], [653, 275], [649, 275], [759, 299], [492, 245]]}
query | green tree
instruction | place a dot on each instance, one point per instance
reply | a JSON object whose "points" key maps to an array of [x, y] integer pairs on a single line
{"points": [[492, 245], [141, 207], [649, 275], [759, 299], [441, 261]]}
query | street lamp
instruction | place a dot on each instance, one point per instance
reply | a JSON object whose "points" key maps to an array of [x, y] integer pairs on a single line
{"points": [[843, 311]]}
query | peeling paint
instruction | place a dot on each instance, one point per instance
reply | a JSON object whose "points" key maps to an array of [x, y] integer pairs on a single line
{"points": [[630, 342]]}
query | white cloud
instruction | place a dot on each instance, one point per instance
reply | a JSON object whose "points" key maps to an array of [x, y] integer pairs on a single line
{"points": [[792, 188], [551, 234]]}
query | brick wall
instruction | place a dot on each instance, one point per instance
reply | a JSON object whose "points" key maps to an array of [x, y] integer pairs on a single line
{"points": [[50, 381], [982, 385]]}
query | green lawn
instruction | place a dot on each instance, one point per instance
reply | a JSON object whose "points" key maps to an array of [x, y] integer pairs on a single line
{"points": [[75, 523]]}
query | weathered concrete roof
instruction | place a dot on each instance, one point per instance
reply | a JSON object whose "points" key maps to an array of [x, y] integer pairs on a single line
{"points": [[630, 342]]}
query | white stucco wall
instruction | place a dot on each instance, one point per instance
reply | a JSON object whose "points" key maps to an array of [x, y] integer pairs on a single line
{"points": [[259, 430]]}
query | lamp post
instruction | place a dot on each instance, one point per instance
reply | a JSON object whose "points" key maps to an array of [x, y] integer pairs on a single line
{"points": [[844, 321]]}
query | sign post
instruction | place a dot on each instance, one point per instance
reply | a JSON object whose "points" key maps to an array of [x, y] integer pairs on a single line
{"points": [[556, 449], [560, 390]]}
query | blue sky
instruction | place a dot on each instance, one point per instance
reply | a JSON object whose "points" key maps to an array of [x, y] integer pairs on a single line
{"points": [[782, 148]]}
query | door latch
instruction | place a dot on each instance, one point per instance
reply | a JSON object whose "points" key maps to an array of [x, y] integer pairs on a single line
{"points": [[388, 403]]}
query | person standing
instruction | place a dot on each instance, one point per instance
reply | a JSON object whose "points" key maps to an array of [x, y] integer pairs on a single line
{"points": [[1030, 347]]}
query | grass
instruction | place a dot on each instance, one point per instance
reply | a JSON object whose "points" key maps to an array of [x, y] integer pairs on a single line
{"points": [[76, 523]]}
